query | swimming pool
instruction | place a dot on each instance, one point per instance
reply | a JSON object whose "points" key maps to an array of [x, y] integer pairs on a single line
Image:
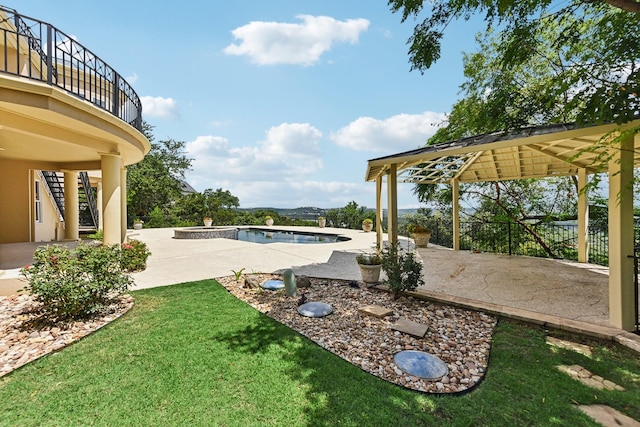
{"points": [[260, 235]]}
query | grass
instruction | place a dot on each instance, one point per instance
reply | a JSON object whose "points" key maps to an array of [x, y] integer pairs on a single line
{"points": [[193, 354]]}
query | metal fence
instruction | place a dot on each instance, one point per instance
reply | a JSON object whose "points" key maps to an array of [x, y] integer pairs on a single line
{"points": [[37, 50], [543, 240]]}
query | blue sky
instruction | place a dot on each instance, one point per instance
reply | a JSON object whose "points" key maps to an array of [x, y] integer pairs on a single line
{"points": [[281, 102]]}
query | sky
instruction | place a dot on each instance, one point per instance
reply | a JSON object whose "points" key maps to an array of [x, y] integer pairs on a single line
{"points": [[281, 102]]}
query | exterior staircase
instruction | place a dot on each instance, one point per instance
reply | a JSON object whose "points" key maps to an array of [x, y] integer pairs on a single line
{"points": [[86, 197]]}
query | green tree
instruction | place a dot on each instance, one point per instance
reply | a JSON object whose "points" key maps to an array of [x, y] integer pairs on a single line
{"points": [[350, 216], [155, 181], [592, 47], [219, 205]]}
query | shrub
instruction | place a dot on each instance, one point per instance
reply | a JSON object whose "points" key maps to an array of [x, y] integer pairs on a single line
{"points": [[403, 270], [134, 255], [74, 284], [369, 259]]}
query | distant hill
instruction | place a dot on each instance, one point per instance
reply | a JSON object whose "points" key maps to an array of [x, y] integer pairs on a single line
{"points": [[312, 213]]}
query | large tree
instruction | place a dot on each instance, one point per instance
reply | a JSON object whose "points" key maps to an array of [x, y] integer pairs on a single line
{"points": [[155, 181], [596, 46]]}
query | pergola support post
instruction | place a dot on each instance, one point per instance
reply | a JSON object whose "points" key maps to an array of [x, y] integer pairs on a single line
{"points": [[379, 214], [621, 250], [455, 190], [392, 204], [583, 217]]}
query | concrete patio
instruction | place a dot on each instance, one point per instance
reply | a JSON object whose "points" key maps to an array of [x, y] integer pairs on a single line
{"points": [[553, 293]]}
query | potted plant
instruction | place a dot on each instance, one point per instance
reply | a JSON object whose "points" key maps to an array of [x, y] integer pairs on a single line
{"points": [[268, 220], [367, 225], [137, 224], [322, 221], [421, 236], [207, 221], [370, 265], [402, 268]]}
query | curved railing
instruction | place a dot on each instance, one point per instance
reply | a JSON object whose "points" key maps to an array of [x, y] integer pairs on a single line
{"points": [[39, 51]]}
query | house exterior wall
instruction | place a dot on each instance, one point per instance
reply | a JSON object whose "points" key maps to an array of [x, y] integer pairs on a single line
{"points": [[15, 206]]}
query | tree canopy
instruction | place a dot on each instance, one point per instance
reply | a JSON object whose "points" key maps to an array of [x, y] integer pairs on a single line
{"points": [[589, 51], [155, 181]]}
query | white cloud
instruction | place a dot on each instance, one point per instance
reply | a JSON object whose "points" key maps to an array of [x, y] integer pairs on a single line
{"points": [[397, 133], [273, 172], [159, 107], [289, 151], [268, 43]]}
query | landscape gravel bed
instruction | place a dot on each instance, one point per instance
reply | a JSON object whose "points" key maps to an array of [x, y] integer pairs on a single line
{"points": [[460, 338], [20, 345]]}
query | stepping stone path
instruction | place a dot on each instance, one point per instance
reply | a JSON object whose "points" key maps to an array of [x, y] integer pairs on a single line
{"points": [[272, 285], [410, 327], [315, 309], [375, 311], [605, 415], [585, 350], [588, 378], [421, 364]]}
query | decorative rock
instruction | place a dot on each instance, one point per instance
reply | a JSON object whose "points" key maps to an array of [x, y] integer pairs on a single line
{"points": [[303, 282], [368, 342], [272, 285], [421, 364], [251, 282], [375, 310], [315, 309], [410, 327], [290, 283]]}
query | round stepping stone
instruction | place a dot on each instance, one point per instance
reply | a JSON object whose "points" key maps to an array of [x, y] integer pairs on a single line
{"points": [[315, 309], [272, 285], [421, 364]]}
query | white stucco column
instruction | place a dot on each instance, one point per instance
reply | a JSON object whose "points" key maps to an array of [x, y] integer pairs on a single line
{"points": [[621, 280], [99, 205], [71, 206], [379, 213], [583, 217], [392, 204], [455, 191], [123, 204], [111, 198]]}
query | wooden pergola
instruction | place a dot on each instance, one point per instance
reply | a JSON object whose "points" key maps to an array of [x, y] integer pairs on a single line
{"points": [[535, 152]]}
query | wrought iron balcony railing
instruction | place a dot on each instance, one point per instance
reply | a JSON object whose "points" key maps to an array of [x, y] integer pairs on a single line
{"points": [[37, 50]]}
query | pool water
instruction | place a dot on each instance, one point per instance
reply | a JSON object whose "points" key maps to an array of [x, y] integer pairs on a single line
{"points": [[259, 235]]}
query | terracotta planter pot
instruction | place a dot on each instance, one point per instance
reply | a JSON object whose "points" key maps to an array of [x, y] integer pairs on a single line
{"points": [[421, 239], [370, 273], [269, 222], [207, 222], [367, 227], [322, 222]]}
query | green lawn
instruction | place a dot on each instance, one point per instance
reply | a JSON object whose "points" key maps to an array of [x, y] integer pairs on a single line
{"points": [[193, 354]]}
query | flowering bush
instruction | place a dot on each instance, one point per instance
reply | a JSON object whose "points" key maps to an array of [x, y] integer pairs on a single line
{"points": [[134, 255], [73, 284]]}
